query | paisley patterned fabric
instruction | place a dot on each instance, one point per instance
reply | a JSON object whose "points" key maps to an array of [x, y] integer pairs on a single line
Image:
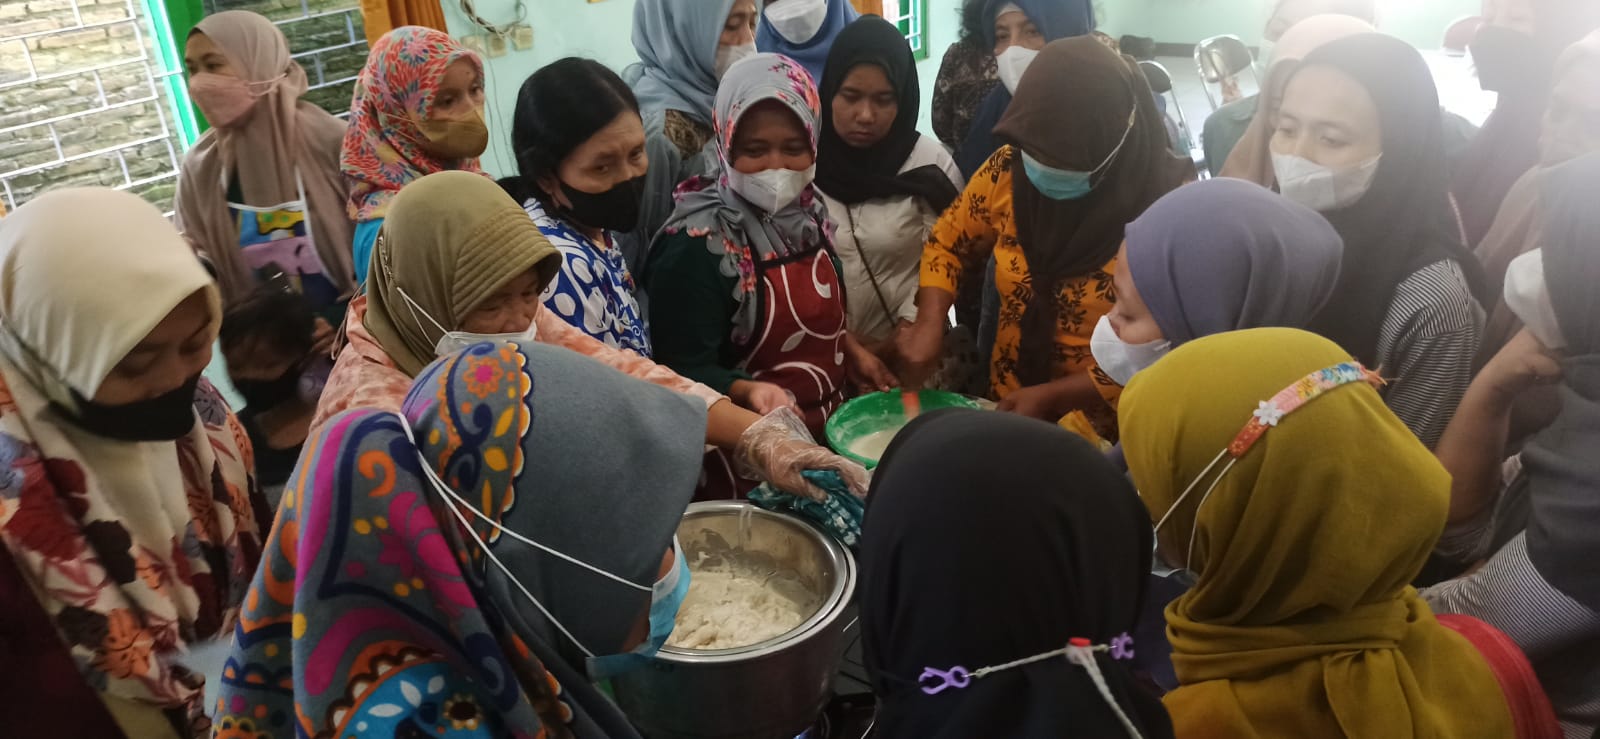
{"points": [[379, 612], [744, 234], [362, 620], [394, 91]]}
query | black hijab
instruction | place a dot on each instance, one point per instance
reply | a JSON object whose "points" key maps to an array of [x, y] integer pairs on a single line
{"points": [[1025, 539], [851, 175], [1560, 463], [1070, 112], [1404, 222]]}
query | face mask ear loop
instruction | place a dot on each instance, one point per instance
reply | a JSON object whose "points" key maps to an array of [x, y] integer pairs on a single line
{"points": [[1084, 657], [1188, 556], [1190, 489], [450, 499]]}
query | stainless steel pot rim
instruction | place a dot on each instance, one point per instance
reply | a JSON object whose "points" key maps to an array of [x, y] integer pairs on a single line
{"points": [[833, 604]]}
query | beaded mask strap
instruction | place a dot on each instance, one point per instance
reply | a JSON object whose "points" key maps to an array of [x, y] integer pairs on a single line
{"points": [[1269, 412]]}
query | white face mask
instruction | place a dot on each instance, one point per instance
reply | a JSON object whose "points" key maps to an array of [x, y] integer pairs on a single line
{"points": [[1119, 359], [797, 21], [451, 342], [727, 56], [771, 190], [1320, 188], [1012, 63], [1528, 298]]}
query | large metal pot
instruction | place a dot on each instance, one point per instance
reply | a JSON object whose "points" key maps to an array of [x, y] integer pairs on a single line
{"points": [[775, 689]]}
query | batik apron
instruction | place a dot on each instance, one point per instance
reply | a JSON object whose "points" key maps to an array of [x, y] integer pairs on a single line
{"points": [[278, 247], [799, 347]]}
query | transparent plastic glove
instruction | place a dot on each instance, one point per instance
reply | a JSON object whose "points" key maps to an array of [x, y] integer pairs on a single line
{"points": [[778, 448]]}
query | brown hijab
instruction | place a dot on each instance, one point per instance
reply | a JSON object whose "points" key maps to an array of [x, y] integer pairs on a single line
{"points": [[1252, 158], [1070, 111], [283, 134]]}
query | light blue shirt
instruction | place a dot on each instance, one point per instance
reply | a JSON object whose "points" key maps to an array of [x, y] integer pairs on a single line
{"points": [[361, 247]]}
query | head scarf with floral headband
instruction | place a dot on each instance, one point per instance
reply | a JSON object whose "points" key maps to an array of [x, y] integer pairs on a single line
{"points": [[740, 232], [394, 92]]}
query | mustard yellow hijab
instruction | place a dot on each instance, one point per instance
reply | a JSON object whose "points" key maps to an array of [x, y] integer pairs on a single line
{"points": [[1302, 622]]}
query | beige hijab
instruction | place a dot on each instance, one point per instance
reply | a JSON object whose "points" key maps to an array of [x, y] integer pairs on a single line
{"points": [[85, 275], [284, 134], [1516, 228], [450, 240], [1251, 158]]}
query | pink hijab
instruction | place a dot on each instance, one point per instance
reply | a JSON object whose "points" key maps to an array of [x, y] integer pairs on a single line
{"points": [[1251, 158], [284, 134]]}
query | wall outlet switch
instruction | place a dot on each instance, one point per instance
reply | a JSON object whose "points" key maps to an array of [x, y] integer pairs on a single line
{"points": [[522, 37]]}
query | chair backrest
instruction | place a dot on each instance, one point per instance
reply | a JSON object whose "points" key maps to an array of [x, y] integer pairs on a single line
{"points": [[1221, 57], [1460, 33], [1159, 78]]}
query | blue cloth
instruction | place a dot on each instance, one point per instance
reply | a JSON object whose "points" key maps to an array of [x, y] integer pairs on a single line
{"points": [[840, 514], [813, 54], [677, 45], [593, 291], [361, 247], [1055, 19]]}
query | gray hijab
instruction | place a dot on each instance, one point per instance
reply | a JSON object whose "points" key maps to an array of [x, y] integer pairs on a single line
{"points": [[1224, 255], [1560, 465], [736, 230], [580, 458]]}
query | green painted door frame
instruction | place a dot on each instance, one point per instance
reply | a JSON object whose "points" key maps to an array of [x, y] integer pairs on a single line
{"points": [[172, 20]]}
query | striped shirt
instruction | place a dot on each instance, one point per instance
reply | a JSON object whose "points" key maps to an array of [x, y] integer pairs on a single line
{"points": [[1560, 636], [1426, 347]]}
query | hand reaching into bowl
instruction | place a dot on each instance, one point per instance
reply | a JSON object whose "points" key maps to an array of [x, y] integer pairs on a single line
{"points": [[778, 448]]}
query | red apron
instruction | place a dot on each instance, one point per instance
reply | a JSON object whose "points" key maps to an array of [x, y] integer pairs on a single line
{"points": [[799, 347]]}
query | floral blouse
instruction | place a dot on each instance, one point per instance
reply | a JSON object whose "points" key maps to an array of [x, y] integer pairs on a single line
{"points": [[981, 223]]}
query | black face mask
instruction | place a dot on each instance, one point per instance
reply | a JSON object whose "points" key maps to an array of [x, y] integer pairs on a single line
{"points": [[1506, 59], [616, 209], [162, 418], [262, 395]]}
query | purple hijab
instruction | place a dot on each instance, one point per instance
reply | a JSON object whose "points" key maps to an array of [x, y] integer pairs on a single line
{"points": [[1225, 254]]}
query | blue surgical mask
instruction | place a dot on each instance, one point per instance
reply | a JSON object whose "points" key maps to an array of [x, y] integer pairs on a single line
{"points": [[666, 598], [1070, 184]]}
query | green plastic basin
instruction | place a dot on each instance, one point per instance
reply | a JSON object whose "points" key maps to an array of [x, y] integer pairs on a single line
{"points": [[869, 414]]}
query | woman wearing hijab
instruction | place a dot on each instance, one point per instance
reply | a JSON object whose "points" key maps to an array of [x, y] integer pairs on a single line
{"points": [[1265, 460], [448, 576], [884, 184], [457, 262], [1247, 153], [966, 75], [418, 109], [1086, 153], [1570, 131], [746, 287], [746, 291], [1514, 54], [580, 150], [1540, 587], [684, 47], [128, 513], [260, 194], [961, 567], [1227, 124], [1358, 140], [1215, 256], [1249, 157], [804, 30], [1016, 30]]}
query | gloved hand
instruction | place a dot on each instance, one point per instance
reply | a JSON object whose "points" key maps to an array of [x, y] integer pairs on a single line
{"points": [[778, 448]]}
